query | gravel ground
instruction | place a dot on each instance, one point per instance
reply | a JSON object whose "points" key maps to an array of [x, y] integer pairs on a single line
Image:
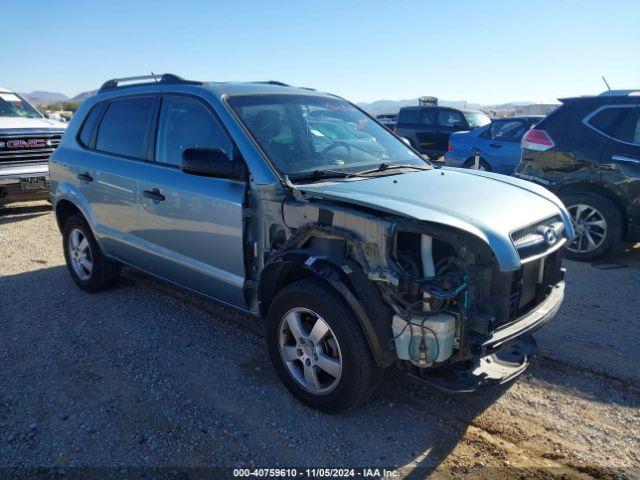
{"points": [[146, 375]]}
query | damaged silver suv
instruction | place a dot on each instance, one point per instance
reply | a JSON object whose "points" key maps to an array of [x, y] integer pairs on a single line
{"points": [[298, 207]]}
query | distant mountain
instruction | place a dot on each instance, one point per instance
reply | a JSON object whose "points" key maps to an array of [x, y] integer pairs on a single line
{"points": [[392, 106], [42, 97], [83, 96], [387, 106]]}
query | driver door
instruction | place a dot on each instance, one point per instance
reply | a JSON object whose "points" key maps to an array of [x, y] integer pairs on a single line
{"points": [[192, 225]]}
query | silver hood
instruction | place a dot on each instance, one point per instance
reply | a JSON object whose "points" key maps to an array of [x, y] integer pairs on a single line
{"points": [[487, 205]]}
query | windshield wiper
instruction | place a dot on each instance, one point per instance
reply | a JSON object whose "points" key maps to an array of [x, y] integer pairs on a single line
{"points": [[383, 167], [321, 174]]}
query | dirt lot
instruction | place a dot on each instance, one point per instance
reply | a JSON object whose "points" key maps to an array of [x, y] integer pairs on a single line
{"points": [[147, 375]]}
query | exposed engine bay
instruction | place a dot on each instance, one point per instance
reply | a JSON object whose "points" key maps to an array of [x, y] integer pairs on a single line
{"points": [[444, 294]]}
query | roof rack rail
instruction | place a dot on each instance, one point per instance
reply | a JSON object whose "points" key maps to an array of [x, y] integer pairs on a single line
{"points": [[620, 93], [165, 78], [274, 82]]}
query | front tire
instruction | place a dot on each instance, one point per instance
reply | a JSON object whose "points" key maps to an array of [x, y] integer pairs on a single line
{"points": [[597, 223], [318, 349], [89, 268]]}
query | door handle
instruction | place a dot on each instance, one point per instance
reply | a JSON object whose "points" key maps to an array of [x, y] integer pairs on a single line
{"points": [[153, 195], [85, 177], [495, 145]]}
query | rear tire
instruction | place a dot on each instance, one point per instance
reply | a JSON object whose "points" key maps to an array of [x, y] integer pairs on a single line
{"points": [[484, 165], [89, 268], [597, 222], [306, 303]]}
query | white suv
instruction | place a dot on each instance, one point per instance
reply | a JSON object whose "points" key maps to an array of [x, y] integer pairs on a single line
{"points": [[27, 139]]}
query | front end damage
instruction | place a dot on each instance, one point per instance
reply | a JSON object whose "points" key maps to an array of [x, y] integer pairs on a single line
{"points": [[430, 298]]}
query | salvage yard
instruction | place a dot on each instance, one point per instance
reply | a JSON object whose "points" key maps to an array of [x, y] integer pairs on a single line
{"points": [[147, 375]]}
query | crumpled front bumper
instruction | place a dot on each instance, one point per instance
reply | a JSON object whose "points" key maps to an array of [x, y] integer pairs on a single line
{"points": [[528, 323], [504, 355]]}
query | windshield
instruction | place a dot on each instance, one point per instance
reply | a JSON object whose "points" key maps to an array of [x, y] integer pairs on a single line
{"points": [[477, 119], [303, 134], [11, 105]]}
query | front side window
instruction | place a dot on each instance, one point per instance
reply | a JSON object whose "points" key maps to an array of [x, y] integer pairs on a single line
{"points": [[621, 123], [125, 127], [187, 123], [301, 134], [12, 105]]}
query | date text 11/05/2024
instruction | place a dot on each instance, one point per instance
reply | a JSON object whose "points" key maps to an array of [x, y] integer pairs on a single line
{"points": [[315, 473]]}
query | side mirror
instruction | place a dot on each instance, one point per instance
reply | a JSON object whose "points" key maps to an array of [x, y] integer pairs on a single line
{"points": [[210, 162]]}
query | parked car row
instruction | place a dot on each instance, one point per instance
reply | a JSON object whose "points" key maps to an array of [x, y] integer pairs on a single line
{"points": [[360, 254], [587, 151]]}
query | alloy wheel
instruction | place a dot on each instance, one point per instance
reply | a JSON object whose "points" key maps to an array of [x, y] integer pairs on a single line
{"points": [[80, 254], [310, 351], [590, 228]]}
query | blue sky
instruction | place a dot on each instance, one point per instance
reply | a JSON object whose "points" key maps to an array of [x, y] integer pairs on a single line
{"points": [[480, 51]]}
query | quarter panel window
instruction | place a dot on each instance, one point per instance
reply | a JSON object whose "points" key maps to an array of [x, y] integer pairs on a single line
{"points": [[90, 124], [125, 127], [187, 123], [621, 123]]}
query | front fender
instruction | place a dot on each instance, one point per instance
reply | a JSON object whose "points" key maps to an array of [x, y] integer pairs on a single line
{"points": [[349, 280]]}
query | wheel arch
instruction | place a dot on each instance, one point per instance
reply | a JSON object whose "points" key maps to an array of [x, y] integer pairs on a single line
{"points": [[64, 209], [344, 276]]}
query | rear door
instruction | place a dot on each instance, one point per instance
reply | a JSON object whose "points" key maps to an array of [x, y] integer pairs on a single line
{"points": [[191, 225], [447, 122], [427, 130], [620, 159], [116, 136], [503, 148]]}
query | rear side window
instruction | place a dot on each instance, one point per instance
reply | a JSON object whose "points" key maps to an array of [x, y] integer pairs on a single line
{"points": [[429, 116], [408, 115], [621, 123], [90, 124], [450, 118], [508, 130], [125, 127], [187, 123]]}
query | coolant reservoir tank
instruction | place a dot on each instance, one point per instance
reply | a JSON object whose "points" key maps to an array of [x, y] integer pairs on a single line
{"points": [[435, 332]]}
